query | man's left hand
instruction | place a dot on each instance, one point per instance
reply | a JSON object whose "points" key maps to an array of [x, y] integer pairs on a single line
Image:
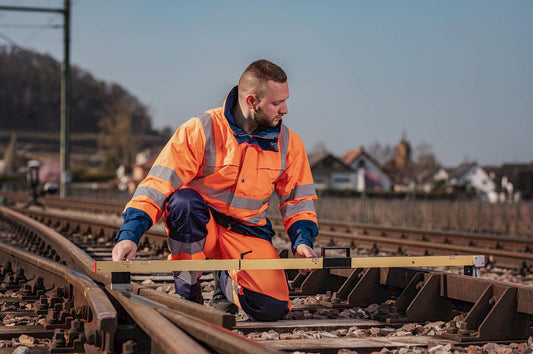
{"points": [[304, 251]]}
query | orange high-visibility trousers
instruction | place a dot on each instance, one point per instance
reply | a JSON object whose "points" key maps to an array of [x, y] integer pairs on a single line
{"points": [[194, 234]]}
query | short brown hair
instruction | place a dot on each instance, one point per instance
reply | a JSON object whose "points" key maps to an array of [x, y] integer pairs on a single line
{"points": [[265, 70], [254, 78]]}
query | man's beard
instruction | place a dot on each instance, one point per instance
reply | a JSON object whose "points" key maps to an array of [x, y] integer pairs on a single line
{"points": [[263, 120]]}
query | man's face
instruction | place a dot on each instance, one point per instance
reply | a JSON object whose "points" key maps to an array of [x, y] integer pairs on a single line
{"points": [[272, 105]]}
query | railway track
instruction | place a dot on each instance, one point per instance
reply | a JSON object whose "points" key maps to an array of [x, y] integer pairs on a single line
{"points": [[146, 320], [502, 250], [388, 301], [59, 308]]}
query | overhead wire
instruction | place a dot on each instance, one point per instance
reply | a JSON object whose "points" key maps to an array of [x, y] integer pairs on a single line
{"points": [[18, 25], [10, 41], [40, 28], [38, 31]]}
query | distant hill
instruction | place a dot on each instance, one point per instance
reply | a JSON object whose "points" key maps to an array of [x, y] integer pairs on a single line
{"points": [[30, 96]]}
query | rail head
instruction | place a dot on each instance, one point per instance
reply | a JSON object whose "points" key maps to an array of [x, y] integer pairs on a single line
{"points": [[102, 323], [67, 251]]}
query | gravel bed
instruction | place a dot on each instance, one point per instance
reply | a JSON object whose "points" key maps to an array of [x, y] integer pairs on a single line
{"points": [[22, 343]]}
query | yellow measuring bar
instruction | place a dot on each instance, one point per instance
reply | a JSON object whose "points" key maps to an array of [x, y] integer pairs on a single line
{"points": [[287, 263]]}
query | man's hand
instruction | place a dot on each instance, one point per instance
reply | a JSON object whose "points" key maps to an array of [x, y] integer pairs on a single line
{"points": [[124, 250], [304, 251]]}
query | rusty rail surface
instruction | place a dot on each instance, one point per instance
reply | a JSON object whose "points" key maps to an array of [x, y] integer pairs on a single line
{"points": [[76, 307]]}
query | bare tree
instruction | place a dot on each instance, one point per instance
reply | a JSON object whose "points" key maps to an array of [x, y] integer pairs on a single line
{"points": [[382, 153], [123, 121], [425, 159], [116, 135]]}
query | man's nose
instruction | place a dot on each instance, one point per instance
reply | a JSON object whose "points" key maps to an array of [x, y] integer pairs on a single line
{"points": [[284, 109]]}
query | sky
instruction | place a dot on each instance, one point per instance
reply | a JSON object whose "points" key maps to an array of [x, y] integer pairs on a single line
{"points": [[455, 74]]}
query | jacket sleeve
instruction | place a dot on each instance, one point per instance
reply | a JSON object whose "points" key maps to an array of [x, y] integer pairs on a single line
{"points": [[297, 194], [177, 164], [136, 223]]}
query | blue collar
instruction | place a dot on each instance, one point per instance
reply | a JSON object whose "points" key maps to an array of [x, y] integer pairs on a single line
{"points": [[265, 138]]}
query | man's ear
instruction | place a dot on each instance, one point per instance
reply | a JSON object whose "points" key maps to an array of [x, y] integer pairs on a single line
{"points": [[251, 101]]}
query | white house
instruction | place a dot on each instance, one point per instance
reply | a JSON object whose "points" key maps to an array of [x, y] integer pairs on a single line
{"points": [[441, 175], [427, 180], [471, 175]]}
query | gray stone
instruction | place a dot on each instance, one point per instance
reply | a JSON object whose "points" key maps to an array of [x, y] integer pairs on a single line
{"points": [[21, 350]]}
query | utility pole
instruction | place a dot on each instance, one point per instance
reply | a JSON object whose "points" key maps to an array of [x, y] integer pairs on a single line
{"points": [[64, 150]]}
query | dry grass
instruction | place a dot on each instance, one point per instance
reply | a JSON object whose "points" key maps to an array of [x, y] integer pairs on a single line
{"points": [[458, 215]]}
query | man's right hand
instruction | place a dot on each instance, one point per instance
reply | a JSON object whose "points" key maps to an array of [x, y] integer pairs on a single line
{"points": [[124, 250]]}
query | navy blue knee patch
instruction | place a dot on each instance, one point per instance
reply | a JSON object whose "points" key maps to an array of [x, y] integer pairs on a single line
{"points": [[187, 216], [188, 291], [261, 307]]}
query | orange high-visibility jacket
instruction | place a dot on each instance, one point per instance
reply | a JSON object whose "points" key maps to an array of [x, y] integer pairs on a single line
{"points": [[235, 179]]}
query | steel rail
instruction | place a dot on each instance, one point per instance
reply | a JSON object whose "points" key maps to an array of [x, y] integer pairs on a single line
{"points": [[507, 242], [101, 320], [517, 260], [200, 312], [165, 337], [65, 251], [222, 340], [81, 224]]}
